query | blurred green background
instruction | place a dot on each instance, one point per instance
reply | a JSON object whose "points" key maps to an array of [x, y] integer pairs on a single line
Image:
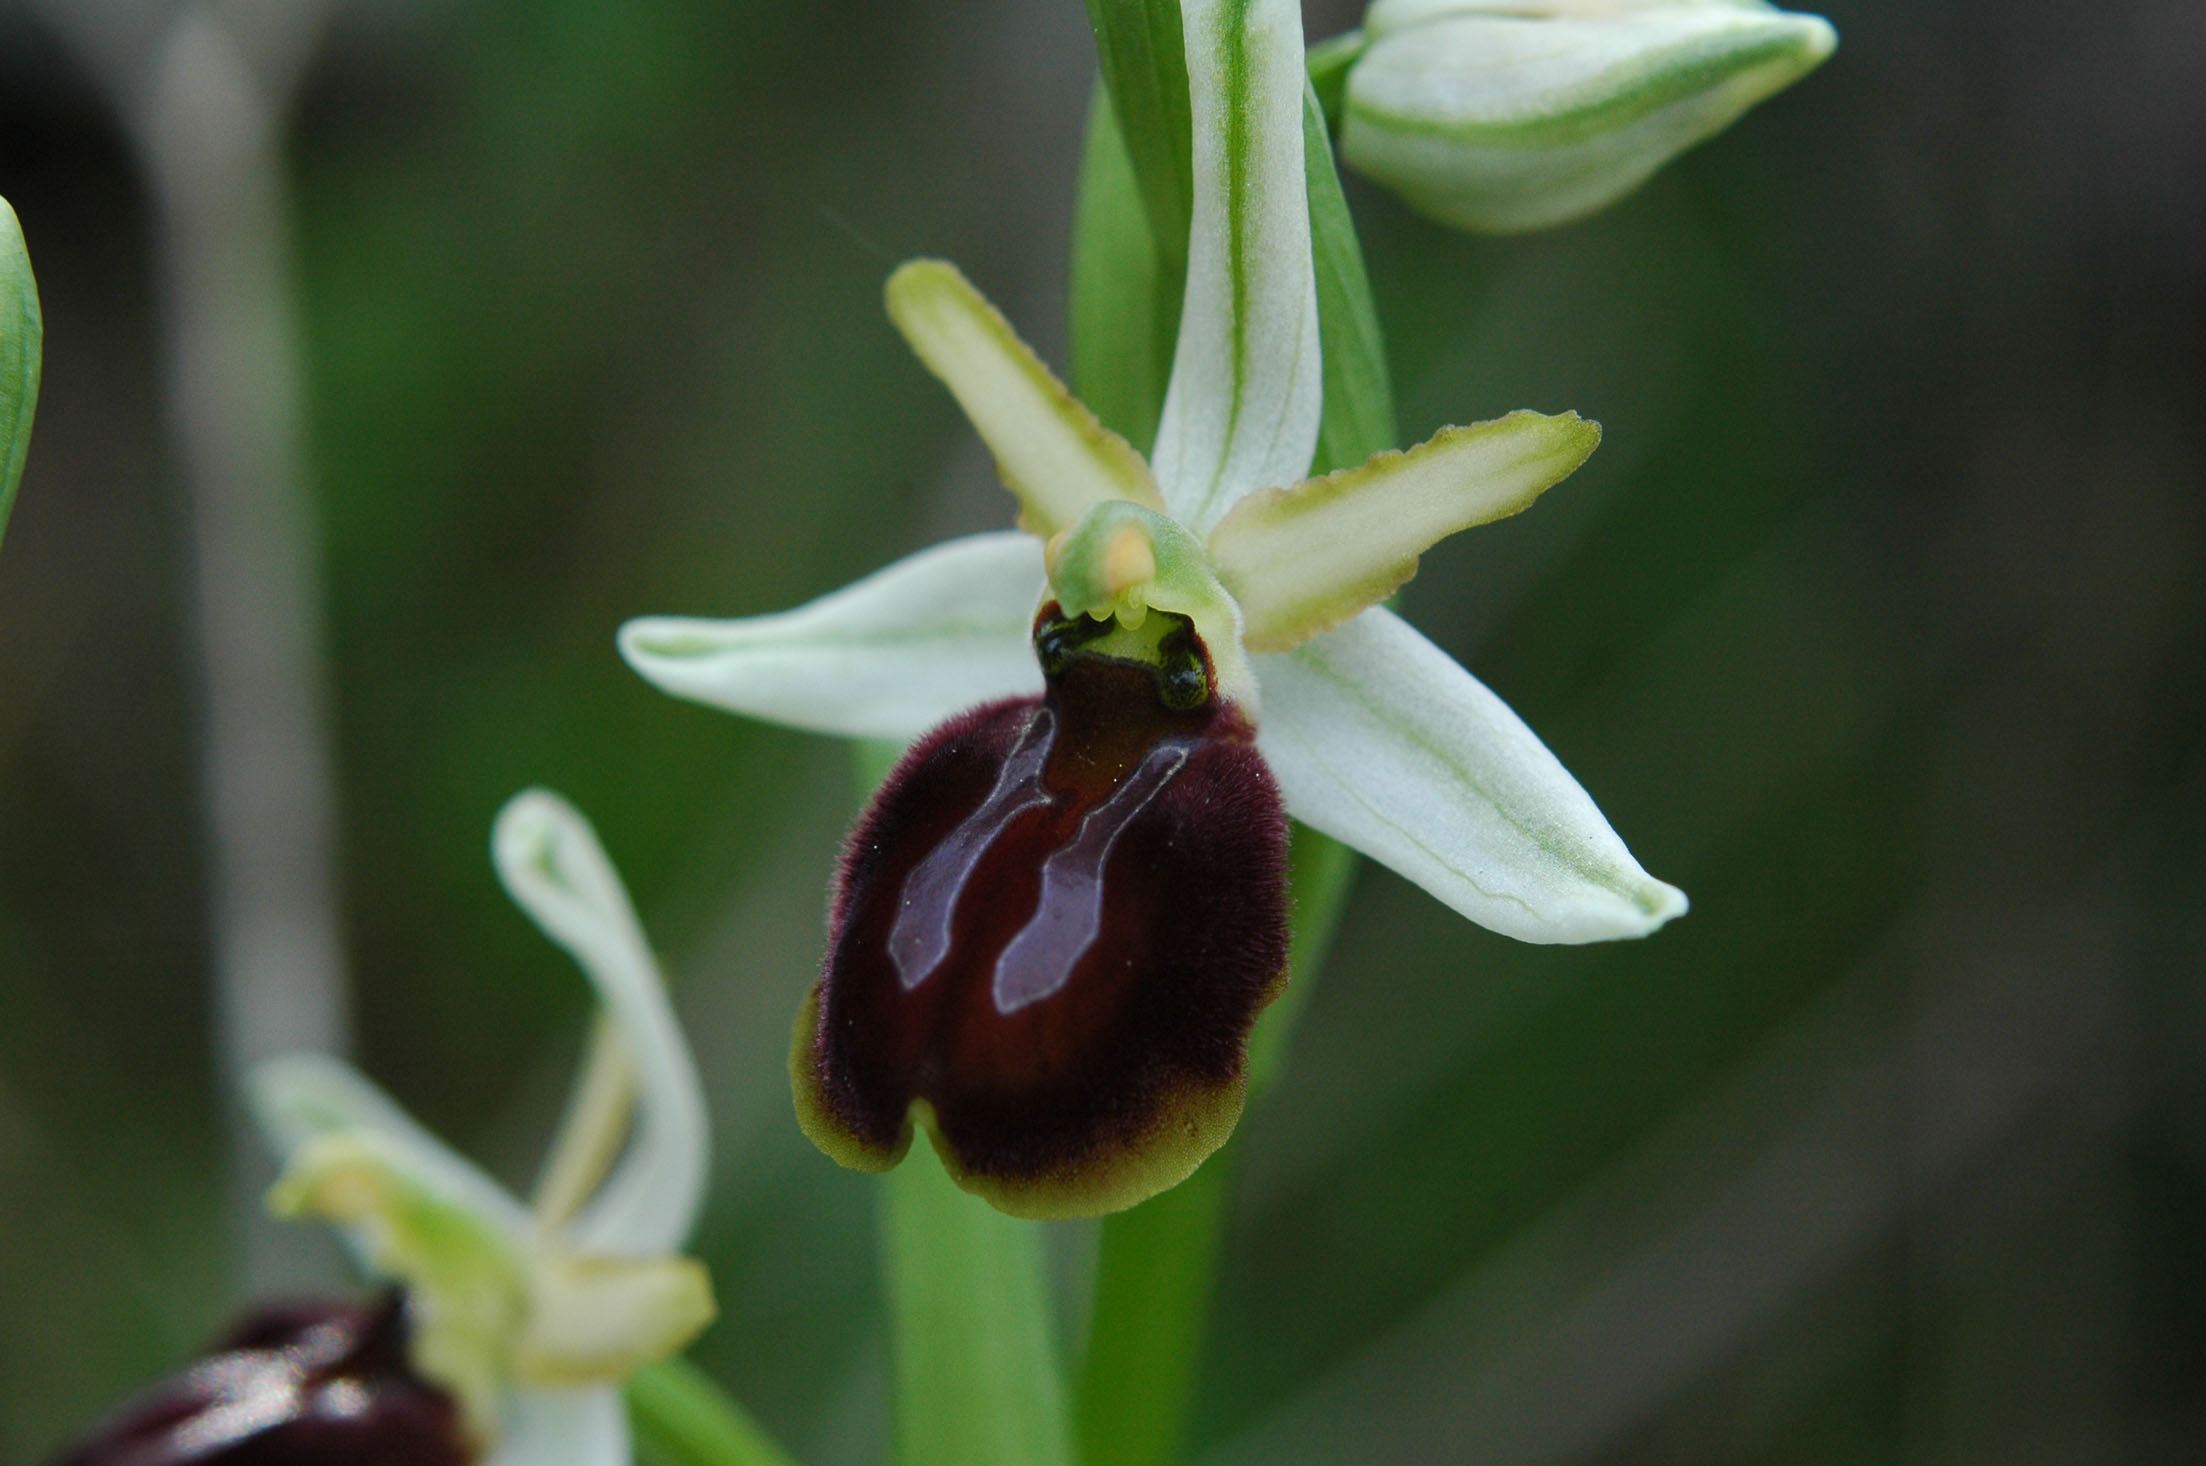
{"points": [[1878, 624]]}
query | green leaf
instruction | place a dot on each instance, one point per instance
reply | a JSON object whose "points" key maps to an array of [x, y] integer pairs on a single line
{"points": [[977, 1378], [682, 1418], [1328, 64], [1359, 393], [1144, 57], [22, 335], [1125, 305]]}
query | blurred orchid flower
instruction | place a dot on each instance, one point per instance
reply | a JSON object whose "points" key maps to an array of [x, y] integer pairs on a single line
{"points": [[1501, 116], [531, 1315], [1057, 922]]}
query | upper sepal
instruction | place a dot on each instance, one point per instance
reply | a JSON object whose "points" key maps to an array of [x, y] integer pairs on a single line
{"points": [[1243, 406], [1501, 116]]}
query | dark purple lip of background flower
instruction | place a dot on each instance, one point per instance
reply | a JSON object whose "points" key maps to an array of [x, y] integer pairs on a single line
{"points": [[1055, 925], [296, 1384]]}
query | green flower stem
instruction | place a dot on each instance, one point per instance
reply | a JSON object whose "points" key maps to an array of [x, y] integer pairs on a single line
{"points": [[1156, 1264], [682, 1418], [1154, 1268], [21, 337], [977, 1379], [973, 1350]]}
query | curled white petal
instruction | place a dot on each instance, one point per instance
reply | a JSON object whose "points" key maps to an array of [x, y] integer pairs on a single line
{"points": [[1242, 409], [887, 657], [299, 1098], [1379, 739], [552, 865]]}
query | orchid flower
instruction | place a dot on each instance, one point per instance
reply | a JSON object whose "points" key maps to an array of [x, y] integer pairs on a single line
{"points": [[530, 1314], [1057, 922]]}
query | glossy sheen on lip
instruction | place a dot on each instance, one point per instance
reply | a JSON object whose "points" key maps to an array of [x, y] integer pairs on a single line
{"points": [[307, 1384], [1053, 930]]}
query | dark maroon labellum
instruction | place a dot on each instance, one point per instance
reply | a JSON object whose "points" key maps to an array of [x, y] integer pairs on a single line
{"points": [[1053, 930], [302, 1384]]}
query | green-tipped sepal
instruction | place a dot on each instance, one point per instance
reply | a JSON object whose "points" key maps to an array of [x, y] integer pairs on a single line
{"points": [[1504, 116]]}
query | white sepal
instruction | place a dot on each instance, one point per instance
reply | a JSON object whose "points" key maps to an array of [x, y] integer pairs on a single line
{"points": [[887, 657], [1379, 739], [553, 867], [1241, 412]]}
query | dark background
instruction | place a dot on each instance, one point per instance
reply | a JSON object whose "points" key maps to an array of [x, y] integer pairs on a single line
{"points": [[1878, 624]]}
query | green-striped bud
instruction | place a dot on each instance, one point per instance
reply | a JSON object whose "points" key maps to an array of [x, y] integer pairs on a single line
{"points": [[1504, 116]]}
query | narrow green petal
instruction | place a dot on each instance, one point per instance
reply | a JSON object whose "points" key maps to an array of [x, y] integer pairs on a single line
{"points": [[888, 657], [1305, 559], [1502, 118], [1243, 406], [21, 339], [300, 1098], [1050, 450], [552, 865], [1380, 740]]}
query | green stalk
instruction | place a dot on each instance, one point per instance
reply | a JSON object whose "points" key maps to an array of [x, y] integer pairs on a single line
{"points": [[977, 1379], [1157, 1263], [681, 1418], [972, 1348]]}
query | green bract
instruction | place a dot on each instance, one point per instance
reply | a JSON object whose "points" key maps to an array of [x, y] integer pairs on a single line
{"points": [[532, 1315], [1502, 116], [20, 341]]}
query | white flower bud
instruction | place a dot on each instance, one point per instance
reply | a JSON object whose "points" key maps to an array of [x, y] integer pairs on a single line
{"points": [[1503, 116]]}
